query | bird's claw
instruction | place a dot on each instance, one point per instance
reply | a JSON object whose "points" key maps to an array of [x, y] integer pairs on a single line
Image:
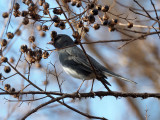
{"points": [[77, 93], [93, 94]]}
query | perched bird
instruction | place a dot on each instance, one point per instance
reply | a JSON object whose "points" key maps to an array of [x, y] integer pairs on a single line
{"points": [[75, 62]]}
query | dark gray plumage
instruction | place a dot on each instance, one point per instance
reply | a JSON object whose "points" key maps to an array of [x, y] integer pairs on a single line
{"points": [[75, 62]]}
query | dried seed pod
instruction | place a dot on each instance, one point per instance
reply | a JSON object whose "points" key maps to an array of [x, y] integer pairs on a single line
{"points": [[7, 69], [94, 12], [38, 57], [24, 13], [105, 17], [32, 7], [73, 2], [111, 23], [24, 48], [85, 18], [76, 35], [96, 26], [45, 82], [130, 25], [56, 19], [16, 13], [90, 5], [35, 16], [45, 5], [7, 87], [46, 12], [11, 60], [39, 51], [18, 32], [10, 35], [39, 27], [42, 34], [56, 24], [16, 96], [41, 2], [31, 39], [111, 29], [44, 27], [25, 21], [16, 6], [30, 53], [4, 59], [86, 29], [28, 2], [62, 25], [53, 34], [80, 24], [5, 15], [57, 11], [32, 60], [105, 8], [24, 1], [98, 7], [91, 18], [115, 21], [45, 54], [78, 4], [4, 42], [105, 22]]}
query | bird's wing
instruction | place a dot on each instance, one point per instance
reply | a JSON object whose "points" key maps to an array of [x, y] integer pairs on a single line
{"points": [[80, 57]]}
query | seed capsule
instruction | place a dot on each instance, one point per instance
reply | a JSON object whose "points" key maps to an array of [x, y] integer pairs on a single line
{"points": [[5, 15], [7, 69], [105, 8], [4, 42], [10, 35], [31, 39]]}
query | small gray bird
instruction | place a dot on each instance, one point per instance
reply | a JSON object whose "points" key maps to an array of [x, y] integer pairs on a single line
{"points": [[76, 64]]}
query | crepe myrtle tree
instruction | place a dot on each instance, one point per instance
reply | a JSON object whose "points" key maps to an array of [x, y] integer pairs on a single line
{"points": [[123, 35]]}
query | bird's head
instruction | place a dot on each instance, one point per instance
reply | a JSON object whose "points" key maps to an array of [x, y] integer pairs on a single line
{"points": [[61, 41]]}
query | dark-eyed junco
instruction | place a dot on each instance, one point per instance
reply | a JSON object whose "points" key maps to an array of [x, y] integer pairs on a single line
{"points": [[76, 64]]}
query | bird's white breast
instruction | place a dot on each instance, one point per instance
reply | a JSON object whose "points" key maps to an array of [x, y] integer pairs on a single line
{"points": [[77, 75]]}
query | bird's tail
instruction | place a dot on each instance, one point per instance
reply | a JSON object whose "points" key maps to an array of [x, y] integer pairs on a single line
{"points": [[110, 73], [105, 83]]}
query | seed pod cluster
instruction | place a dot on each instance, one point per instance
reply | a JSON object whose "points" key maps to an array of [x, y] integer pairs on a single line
{"points": [[8, 88], [34, 55], [16, 11]]}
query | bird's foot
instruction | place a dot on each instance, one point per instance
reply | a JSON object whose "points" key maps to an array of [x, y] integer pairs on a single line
{"points": [[77, 93], [92, 93]]}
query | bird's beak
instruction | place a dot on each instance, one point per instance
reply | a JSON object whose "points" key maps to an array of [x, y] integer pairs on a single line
{"points": [[51, 42]]}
